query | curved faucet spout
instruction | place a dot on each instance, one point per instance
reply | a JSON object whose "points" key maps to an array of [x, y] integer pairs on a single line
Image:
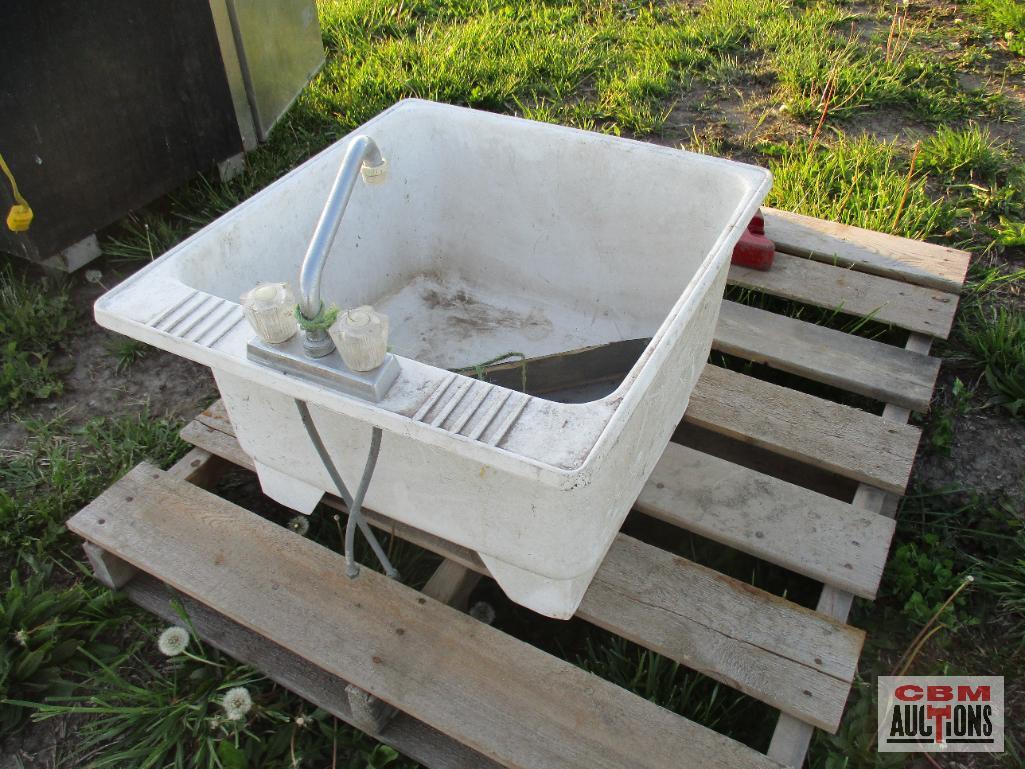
{"points": [[362, 156]]}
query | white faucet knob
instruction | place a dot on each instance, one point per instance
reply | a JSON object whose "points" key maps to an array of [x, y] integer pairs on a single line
{"points": [[361, 336], [270, 310]]}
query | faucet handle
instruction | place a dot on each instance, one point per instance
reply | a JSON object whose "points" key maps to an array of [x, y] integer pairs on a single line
{"points": [[361, 336], [376, 173]]}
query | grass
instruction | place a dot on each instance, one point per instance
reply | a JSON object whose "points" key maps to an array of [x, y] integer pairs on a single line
{"points": [[35, 319], [667, 684], [1005, 19], [48, 638], [808, 82], [857, 181], [61, 469], [173, 715], [126, 352], [967, 153], [996, 341]]}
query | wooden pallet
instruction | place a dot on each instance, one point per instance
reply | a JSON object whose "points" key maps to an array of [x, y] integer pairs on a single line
{"points": [[468, 695]]}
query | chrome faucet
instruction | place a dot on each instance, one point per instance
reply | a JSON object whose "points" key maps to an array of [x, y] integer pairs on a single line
{"points": [[363, 158]]}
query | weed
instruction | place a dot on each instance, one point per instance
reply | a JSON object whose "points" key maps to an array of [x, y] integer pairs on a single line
{"points": [[1010, 234], [201, 710], [46, 636], [942, 422], [1004, 578], [854, 744], [968, 153], [126, 352], [35, 318], [1007, 20], [922, 575], [996, 341]]}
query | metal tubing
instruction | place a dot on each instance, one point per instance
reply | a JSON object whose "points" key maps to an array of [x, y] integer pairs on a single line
{"points": [[362, 149]]}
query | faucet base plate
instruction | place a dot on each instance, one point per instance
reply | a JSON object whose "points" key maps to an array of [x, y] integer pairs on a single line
{"points": [[290, 359]]}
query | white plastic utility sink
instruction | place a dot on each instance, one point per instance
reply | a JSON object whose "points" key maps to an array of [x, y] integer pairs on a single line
{"points": [[491, 235]]}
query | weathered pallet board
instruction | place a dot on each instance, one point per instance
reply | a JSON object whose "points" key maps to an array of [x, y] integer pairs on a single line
{"points": [[844, 440], [784, 524], [781, 653], [915, 308], [503, 698], [858, 365], [911, 261]]}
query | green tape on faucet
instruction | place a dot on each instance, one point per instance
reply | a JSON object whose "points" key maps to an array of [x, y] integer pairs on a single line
{"points": [[324, 320]]}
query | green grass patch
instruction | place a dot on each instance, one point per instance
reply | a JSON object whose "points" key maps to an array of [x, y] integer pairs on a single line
{"points": [[822, 63], [62, 469], [1004, 578], [202, 710], [857, 181], [35, 320], [595, 65], [1005, 19], [47, 636], [995, 339], [964, 154]]}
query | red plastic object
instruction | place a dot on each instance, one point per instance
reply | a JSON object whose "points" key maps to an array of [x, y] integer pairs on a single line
{"points": [[754, 249]]}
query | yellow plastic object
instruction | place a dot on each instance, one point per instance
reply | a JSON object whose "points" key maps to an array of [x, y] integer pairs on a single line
{"points": [[19, 218]]}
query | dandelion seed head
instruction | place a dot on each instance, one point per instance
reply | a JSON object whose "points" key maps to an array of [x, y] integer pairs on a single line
{"points": [[173, 641], [300, 525], [300, 721], [237, 702], [483, 612]]}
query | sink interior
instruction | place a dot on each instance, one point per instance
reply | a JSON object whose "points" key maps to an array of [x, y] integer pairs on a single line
{"points": [[449, 322], [491, 235]]}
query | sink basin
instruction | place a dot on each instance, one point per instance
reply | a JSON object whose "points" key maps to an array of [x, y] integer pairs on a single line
{"points": [[492, 235]]}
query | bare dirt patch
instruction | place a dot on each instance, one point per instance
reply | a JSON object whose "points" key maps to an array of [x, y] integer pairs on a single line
{"points": [[165, 384]]}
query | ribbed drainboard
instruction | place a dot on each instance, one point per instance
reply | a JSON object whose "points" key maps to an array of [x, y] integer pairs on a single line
{"points": [[472, 408], [199, 317]]}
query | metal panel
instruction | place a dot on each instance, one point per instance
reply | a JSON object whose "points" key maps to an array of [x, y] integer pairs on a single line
{"points": [[279, 50], [233, 71]]}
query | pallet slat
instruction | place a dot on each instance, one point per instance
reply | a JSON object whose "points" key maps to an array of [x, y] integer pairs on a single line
{"points": [[756, 642], [808, 533], [912, 261], [501, 697], [863, 366], [843, 440], [915, 308], [782, 654]]}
